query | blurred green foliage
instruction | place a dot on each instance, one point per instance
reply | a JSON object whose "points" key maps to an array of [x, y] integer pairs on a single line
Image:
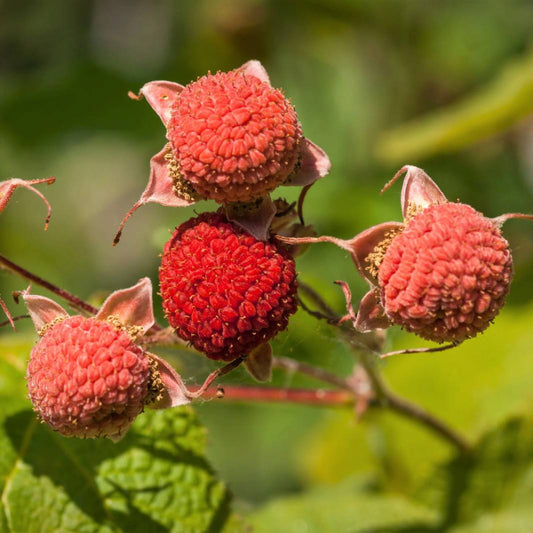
{"points": [[444, 84]]}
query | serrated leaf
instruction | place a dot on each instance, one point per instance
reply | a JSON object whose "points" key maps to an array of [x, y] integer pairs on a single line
{"points": [[493, 109], [156, 479], [348, 507]]}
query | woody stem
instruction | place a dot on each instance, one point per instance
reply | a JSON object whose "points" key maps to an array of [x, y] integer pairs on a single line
{"points": [[386, 398]]}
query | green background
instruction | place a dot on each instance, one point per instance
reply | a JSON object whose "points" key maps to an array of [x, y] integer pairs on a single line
{"points": [[447, 86]]}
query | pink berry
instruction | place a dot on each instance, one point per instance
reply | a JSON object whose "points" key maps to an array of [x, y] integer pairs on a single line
{"points": [[446, 275], [86, 378], [223, 290], [235, 138]]}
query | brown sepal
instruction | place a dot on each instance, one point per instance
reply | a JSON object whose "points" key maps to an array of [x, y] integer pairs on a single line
{"points": [[259, 362]]}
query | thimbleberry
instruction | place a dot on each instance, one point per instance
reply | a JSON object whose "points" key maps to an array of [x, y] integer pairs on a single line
{"points": [[86, 378], [223, 290], [233, 138], [443, 273]]}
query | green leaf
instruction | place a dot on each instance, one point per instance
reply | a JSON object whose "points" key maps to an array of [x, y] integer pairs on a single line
{"points": [[473, 387], [493, 109], [517, 520], [498, 474], [348, 507], [156, 479]]}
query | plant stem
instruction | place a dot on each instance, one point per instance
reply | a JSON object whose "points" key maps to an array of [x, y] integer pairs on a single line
{"points": [[384, 396], [219, 372], [15, 318], [244, 393], [74, 301], [420, 350], [415, 412], [293, 365]]}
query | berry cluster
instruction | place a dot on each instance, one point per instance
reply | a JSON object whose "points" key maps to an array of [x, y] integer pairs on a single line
{"points": [[228, 285]]}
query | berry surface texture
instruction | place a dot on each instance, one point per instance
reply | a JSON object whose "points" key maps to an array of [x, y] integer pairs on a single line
{"points": [[86, 378], [235, 138], [446, 275], [223, 290]]}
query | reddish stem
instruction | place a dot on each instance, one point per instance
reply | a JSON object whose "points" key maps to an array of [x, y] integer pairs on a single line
{"points": [[13, 319], [76, 302], [73, 300], [243, 393], [219, 372]]}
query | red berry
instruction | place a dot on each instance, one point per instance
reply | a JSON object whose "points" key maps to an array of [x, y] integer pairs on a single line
{"points": [[86, 378], [446, 275], [235, 138], [223, 290]]}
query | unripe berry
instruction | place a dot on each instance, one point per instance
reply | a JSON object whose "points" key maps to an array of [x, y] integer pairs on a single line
{"points": [[446, 275], [86, 378], [223, 290]]}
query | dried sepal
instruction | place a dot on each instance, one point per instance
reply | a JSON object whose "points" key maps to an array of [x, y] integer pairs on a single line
{"points": [[174, 392], [160, 189], [314, 164], [367, 246], [418, 191], [502, 219], [253, 217], [7, 313], [7, 188], [348, 297], [255, 68], [259, 362], [161, 95], [42, 310], [132, 306], [371, 315]]}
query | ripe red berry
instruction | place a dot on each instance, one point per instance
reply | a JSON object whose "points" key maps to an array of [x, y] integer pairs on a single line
{"points": [[446, 275], [235, 138], [86, 378], [223, 290]]}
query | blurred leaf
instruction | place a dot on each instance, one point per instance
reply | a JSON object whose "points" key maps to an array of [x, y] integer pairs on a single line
{"points": [[493, 109], [517, 520], [498, 474], [155, 479], [348, 507], [472, 387]]}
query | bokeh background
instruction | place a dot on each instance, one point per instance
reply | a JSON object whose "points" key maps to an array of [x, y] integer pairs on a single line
{"points": [[447, 86]]}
